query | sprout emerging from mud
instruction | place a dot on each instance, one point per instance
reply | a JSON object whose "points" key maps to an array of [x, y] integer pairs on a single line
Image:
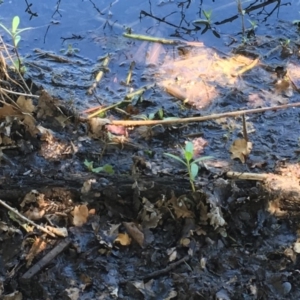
{"points": [[189, 162]]}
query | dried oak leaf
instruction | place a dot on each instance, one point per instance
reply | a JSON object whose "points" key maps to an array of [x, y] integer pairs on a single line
{"points": [[240, 149], [124, 239], [80, 215]]}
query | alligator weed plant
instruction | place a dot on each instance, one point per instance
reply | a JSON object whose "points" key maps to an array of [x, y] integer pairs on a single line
{"points": [[14, 33], [189, 162]]}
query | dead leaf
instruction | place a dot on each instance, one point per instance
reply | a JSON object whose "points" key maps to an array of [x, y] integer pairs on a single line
{"points": [[25, 104], [87, 185], [123, 239], [80, 215], [59, 231], [30, 125], [73, 293], [8, 110], [172, 253], [29, 198], [216, 217], [38, 246], [134, 232], [240, 149], [34, 213], [179, 207]]}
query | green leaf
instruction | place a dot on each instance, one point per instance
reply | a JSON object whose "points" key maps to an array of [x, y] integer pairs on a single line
{"points": [[188, 155], [89, 164], [6, 29], [201, 22], [175, 157], [194, 171], [97, 170], [108, 169], [161, 113], [207, 14], [15, 24], [17, 40], [23, 29], [202, 158], [189, 147]]}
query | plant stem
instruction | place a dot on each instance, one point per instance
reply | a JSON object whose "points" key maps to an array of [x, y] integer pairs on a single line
{"points": [[17, 53], [190, 175]]}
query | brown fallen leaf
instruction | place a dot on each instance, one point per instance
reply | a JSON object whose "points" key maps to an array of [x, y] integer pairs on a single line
{"points": [[80, 215], [179, 207], [123, 239], [26, 105], [240, 149], [134, 232], [38, 246]]}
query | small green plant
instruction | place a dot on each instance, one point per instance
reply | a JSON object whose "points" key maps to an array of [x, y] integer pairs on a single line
{"points": [[253, 24], [189, 162], [207, 22], [106, 168], [14, 33]]}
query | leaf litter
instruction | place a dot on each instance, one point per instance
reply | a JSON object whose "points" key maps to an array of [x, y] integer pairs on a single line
{"points": [[141, 233]]}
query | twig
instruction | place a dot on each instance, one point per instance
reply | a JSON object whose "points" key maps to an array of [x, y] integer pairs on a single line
{"points": [[247, 176], [46, 259], [153, 39], [171, 121], [129, 75], [26, 219], [167, 269], [128, 98], [246, 68], [99, 74], [139, 91], [104, 109], [20, 94], [57, 58]]}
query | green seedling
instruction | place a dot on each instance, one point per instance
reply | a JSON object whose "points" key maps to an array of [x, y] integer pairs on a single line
{"points": [[14, 33], [106, 168], [207, 22], [189, 162], [253, 24]]}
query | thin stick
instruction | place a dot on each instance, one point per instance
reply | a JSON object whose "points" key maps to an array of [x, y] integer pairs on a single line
{"points": [[152, 39], [46, 259], [247, 176], [104, 109], [26, 219], [20, 94], [246, 68], [128, 98], [171, 121], [99, 74]]}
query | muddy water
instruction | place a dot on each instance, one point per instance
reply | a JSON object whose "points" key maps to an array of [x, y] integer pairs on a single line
{"points": [[86, 30], [55, 21]]}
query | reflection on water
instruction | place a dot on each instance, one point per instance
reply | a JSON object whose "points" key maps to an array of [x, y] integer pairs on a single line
{"points": [[86, 30], [80, 22]]}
